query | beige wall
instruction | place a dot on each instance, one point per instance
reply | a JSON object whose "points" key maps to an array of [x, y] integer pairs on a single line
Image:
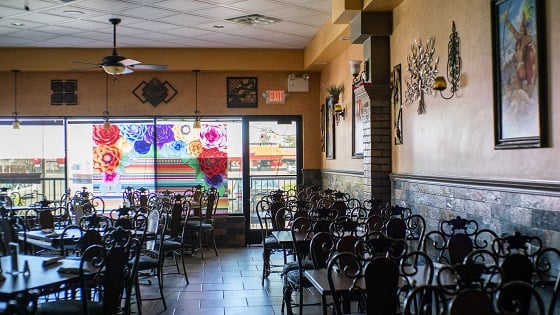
{"points": [[338, 72], [34, 98], [456, 137]]}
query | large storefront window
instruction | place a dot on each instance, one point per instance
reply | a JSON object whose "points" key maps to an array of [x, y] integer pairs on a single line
{"points": [[32, 160], [165, 155]]}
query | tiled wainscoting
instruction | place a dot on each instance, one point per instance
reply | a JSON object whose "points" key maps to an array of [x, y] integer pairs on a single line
{"points": [[503, 206], [348, 182]]}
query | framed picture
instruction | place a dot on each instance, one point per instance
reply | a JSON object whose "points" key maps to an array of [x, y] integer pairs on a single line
{"points": [[323, 121], [396, 101], [329, 128], [520, 118], [357, 126], [242, 92]]}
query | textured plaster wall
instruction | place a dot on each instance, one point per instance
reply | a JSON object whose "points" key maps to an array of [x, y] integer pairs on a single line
{"points": [[338, 72], [34, 98], [456, 137]]}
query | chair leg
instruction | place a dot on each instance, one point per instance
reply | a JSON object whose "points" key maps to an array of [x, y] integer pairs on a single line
{"points": [[200, 244], [266, 264], [287, 300], [184, 267], [138, 297], [301, 299], [160, 283], [214, 241]]}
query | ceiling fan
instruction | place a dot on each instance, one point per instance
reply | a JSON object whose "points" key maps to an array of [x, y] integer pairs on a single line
{"points": [[115, 64]]}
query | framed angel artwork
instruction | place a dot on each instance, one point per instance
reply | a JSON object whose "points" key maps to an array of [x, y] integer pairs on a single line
{"points": [[520, 102]]}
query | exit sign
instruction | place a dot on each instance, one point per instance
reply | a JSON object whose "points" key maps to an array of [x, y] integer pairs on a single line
{"points": [[275, 96]]}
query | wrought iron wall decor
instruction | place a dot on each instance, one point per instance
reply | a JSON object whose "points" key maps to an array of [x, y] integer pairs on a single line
{"points": [[422, 71], [64, 92], [396, 100], [242, 92], [155, 92], [453, 65]]}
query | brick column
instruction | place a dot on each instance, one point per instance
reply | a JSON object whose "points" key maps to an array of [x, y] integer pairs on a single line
{"points": [[372, 29]]}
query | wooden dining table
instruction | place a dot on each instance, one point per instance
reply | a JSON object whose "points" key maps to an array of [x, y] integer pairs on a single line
{"points": [[39, 277]]}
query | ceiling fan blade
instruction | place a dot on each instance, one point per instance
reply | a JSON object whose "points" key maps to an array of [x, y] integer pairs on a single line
{"points": [[129, 62], [127, 70], [149, 67]]}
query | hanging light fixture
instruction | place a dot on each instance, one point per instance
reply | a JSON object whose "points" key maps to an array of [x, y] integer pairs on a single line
{"points": [[16, 123], [106, 123], [196, 124]]}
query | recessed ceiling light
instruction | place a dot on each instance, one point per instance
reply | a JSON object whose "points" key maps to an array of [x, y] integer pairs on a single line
{"points": [[218, 26], [321, 62], [17, 24], [345, 38]]}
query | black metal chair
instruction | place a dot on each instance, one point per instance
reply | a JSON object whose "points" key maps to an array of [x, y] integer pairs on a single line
{"points": [[204, 225], [106, 278]]}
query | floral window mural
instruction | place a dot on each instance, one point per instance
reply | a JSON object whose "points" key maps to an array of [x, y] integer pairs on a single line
{"points": [[164, 156]]}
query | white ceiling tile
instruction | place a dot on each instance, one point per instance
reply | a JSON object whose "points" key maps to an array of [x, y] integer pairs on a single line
{"points": [[189, 32], [186, 19], [257, 5], [182, 5], [105, 5], [220, 12], [150, 13], [160, 23]]}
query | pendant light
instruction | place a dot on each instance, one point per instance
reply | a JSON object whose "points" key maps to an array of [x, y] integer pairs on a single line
{"points": [[196, 124], [106, 123], [16, 123]]}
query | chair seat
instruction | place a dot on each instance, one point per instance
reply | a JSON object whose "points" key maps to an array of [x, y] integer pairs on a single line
{"points": [[293, 277], [195, 224], [272, 242], [68, 307], [169, 245], [293, 265], [145, 262]]}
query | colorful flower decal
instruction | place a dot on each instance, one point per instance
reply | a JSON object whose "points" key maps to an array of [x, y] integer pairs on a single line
{"points": [[124, 145], [177, 147], [164, 134], [194, 148], [106, 158], [184, 132], [119, 146], [108, 136], [133, 132], [213, 136], [212, 162]]}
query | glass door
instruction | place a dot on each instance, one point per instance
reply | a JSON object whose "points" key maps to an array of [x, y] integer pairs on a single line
{"points": [[272, 152]]}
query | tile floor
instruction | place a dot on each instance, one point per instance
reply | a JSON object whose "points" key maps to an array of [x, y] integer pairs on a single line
{"points": [[228, 284]]}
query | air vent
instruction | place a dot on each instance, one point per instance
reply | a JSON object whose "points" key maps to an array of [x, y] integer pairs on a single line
{"points": [[254, 20]]}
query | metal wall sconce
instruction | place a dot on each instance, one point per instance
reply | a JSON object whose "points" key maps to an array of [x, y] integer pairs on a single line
{"points": [[355, 67], [453, 66], [339, 112]]}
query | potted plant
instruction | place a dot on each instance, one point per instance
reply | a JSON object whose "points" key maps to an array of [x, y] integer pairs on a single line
{"points": [[334, 91]]}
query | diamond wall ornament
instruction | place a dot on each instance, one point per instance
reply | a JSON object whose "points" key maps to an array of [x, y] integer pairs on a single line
{"points": [[64, 92], [154, 92]]}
